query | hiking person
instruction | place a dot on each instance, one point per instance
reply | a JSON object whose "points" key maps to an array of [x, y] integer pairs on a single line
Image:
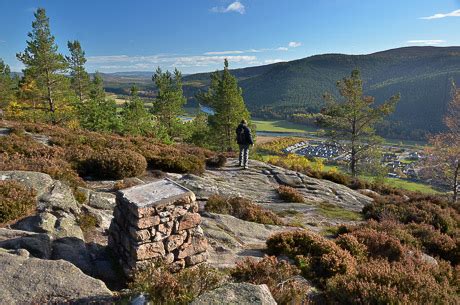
{"points": [[244, 140]]}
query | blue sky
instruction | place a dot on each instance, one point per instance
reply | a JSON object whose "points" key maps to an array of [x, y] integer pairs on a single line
{"points": [[196, 35]]}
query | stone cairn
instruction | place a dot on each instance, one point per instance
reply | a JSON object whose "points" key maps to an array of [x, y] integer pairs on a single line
{"points": [[158, 220]]}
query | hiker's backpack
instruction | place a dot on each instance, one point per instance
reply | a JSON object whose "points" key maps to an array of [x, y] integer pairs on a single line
{"points": [[240, 135]]}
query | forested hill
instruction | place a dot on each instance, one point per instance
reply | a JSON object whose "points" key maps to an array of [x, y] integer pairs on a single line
{"points": [[422, 75]]}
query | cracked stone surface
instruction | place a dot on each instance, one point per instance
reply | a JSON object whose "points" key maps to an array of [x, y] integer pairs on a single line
{"points": [[260, 181]]}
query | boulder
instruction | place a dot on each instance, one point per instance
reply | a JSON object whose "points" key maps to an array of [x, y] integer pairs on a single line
{"points": [[237, 293], [42, 183], [99, 200], [56, 226], [37, 244], [36, 281], [73, 250], [60, 198]]}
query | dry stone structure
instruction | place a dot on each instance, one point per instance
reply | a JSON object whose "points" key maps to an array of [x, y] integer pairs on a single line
{"points": [[158, 220]]}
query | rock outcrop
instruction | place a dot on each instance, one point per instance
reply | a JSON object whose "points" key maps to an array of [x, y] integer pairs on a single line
{"points": [[260, 181], [237, 293], [27, 280]]}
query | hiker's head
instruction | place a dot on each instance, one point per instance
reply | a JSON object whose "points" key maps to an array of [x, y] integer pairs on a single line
{"points": [[244, 122]]}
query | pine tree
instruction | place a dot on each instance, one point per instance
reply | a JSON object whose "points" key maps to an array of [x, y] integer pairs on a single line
{"points": [[136, 119], [96, 88], [443, 154], [99, 113], [44, 65], [225, 97], [352, 121], [80, 80], [169, 102], [7, 84]]}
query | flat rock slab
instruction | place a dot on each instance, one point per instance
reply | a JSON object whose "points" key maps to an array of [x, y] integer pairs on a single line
{"points": [[155, 193], [35, 281], [37, 244], [231, 239], [237, 294], [260, 181]]}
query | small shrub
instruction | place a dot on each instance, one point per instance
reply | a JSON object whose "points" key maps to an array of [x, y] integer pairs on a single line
{"points": [[290, 194], [114, 164], [351, 244], [164, 287], [381, 282], [279, 276], [16, 200], [80, 196], [216, 161], [241, 208], [87, 222], [318, 257], [380, 244]]}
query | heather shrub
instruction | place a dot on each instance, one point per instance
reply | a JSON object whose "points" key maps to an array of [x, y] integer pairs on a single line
{"points": [[436, 243], [379, 244], [87, 222], [165, 287], [16, 200], [351, 244], [216, 161], [241, 208], [290, 194], [280, 277], [23, 153], [114, 164], [382, 282], [317, 257], [177, 164]]}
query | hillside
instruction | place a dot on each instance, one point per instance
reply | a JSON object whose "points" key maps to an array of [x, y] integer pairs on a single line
{"points": [[421, 74]]}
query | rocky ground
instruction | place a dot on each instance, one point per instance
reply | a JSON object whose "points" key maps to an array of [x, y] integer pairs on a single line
{"points": [[52, 242]]}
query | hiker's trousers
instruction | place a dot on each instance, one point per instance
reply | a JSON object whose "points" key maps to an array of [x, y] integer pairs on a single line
{"points": [[244, 154]]}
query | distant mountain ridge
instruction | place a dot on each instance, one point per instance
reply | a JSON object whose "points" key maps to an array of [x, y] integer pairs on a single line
{"points": [[423, 76]]}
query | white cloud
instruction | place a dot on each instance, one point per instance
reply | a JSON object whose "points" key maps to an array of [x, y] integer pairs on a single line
{"points": [[282, 49], [294, 44], [273, 61], [426, 42], [236, 6], [224, 52], [142, 63], [455, 13]]}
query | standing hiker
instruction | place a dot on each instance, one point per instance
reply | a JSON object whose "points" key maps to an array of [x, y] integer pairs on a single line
{"points": [[244, 140]]}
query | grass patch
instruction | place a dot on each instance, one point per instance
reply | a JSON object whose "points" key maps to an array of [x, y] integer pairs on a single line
{"points": [[282, 127], [332, 211]]}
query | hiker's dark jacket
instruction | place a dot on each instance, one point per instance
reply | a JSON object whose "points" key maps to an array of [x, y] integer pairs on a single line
{"points": [[243, 135]]}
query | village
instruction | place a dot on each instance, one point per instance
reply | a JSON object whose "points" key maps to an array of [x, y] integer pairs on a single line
{"points": [[401, 162]]}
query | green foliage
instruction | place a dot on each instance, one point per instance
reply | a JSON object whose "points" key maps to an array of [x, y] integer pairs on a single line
{"points": [[225, 97], [241, 208], [169, 102], [16, 200], [277, 275], [317, 257], [136, 119], [355, 118], [80, 81], [7, 84], [165, 287], [45, 67]]}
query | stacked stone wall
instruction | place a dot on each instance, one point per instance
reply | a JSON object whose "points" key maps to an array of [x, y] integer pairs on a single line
{"points": [[167, 229]]}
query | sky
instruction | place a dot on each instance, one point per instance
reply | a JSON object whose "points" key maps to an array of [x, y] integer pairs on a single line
{"points": [[196, 35]]}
